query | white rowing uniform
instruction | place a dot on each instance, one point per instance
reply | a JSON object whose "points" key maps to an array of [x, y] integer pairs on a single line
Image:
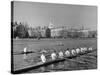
{"points": [[82, 50], [25, 50], [53, 56], [85, 49], [73, 52], [43, 58], [77, 50], [90, 49], [67, 53], [61, 54]]}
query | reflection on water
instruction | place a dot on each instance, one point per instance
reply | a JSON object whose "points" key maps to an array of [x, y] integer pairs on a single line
{"points": [[52, 67], [49, 68]]}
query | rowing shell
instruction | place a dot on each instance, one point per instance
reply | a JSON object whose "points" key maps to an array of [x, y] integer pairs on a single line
{"points": [[40, 64], [37, 65]]}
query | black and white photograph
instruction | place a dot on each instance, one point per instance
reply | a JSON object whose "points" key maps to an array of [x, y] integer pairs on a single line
{"points": [[52, 37]]}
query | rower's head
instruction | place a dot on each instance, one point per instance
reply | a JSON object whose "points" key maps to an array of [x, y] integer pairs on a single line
{"points": [[67, 48], [43, 53], [54, 51]]}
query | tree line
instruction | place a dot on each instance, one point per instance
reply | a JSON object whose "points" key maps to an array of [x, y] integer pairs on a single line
{"points": [[20, 30]]}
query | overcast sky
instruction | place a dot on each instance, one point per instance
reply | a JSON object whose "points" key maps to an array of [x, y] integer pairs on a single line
{"points": [[40, 14]]}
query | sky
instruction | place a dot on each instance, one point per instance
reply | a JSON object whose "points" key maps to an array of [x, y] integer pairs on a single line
{"points": [[41, 14]]}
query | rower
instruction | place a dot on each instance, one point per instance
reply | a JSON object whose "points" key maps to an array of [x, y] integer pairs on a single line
{"points": [[67, 53], [90, 49], [82, 50], [78, 50], [25, 50], [85, 49], [53, 55], [61, 54], [43, 58], [25, 53], [73, 52]]}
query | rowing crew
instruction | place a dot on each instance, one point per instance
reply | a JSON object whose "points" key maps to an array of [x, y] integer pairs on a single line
{"points": [[67, 53]]}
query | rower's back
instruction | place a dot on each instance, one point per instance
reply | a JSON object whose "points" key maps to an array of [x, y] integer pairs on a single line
{"points": [[43, 58], [61, 54], [53, 56], [73, 52], [67, 53], [25, 50], [78, 50], [90, 49]]}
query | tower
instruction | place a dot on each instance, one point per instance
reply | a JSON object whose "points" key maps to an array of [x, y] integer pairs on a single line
{"points": [[51, 25]]}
